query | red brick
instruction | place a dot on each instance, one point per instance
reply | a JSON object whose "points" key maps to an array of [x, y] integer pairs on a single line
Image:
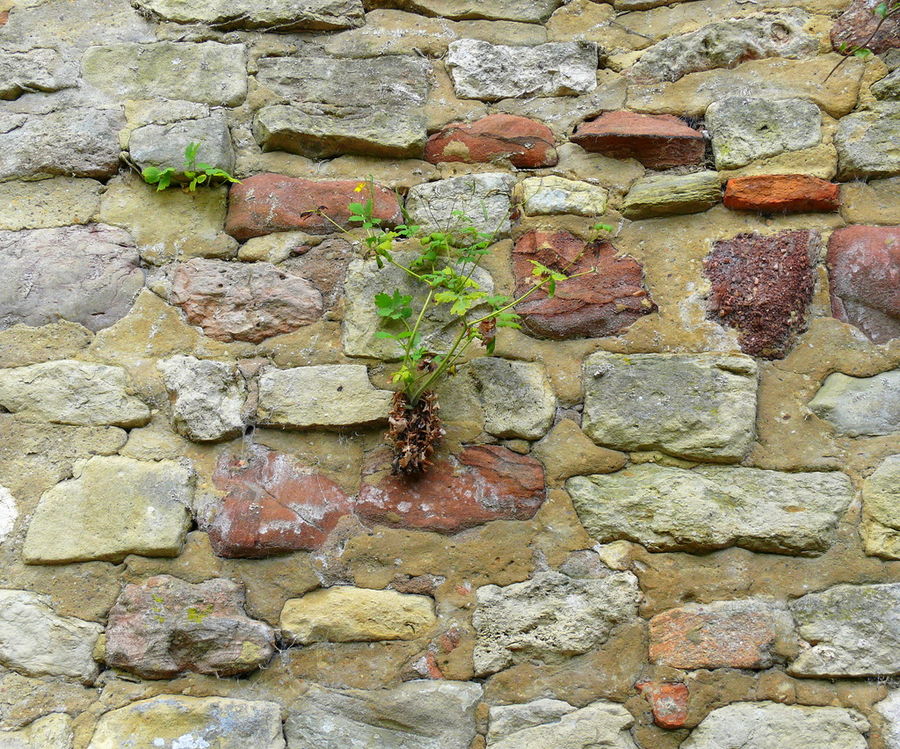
{"points": [[658, 141], [781, 193], [669, 702], [855, 25], [864, 272], [4, 17], [267, 203], [525, 143], [597, 304], [483, 483]]}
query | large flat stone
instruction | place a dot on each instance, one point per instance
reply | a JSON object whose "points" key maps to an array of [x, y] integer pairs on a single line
{"points": [[546, 196], [47, 203], [860, 406], [37, 69], [866, 143], [114, 506], [164, 145], [277, 15], [889, 708], [328, 105], [517, 397], [694, 406], [84, 274], [483, 198], [671, 194], [481, 70], [853, 630], [528, 11], [601, 723], [881, 510], [53, 731], [508, 719], [713, 507]]}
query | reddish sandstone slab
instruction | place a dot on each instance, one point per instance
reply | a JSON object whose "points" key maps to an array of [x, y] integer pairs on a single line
{"points": [[658, 141], [274, 505], [526, 143], [762, 287], [854, 27], [267, 203], [600, 303], [669, 702], [782, 193], [864, 272], [483, 483]]}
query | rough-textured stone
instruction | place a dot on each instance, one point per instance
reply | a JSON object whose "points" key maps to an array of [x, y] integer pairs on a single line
{"points": [[205, 72], [604, 301], [744, 129], [545, 196], [550, 615], [750, 633], [724, 44], [529, 11], [881, 510], [890, 711], [483, 198], [77, 142], [481, 70], [36, 641], [60, 201], [602, 723], [668, 700], [866, 142], [762, 287], [657, 141], [180, 722], [888, 87], [769, 725], [524, 143], [864, 277], [330, 111], [670, 194], [72, 392], [53, 731], [483, 483], [163, 145], [267, 203], [781, 193], [114, 506], [8, 513], [278, 15], [694, 406], [274, 504], [860, 406], [517, 397], [713, 507], [243, 301], [166, 626], [415, 715], [508, 719], [853, 630], [207, 397], [30, 70], [347, 614], [856, 25], [330, 395], [84, 274], [566, 451]]}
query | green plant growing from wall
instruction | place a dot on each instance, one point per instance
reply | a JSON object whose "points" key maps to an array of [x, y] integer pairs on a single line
{"points": [[882, 11], [193, 173]]}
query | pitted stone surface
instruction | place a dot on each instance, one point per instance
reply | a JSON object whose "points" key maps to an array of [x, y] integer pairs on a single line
{"points": [[517, 397], [853, 630], [72, 392], [695, 406], [36, 69], [601, 723], [545, 196], [713, 507], [114, 506], [525, 143], [278, 15], [53, 731], [671, 194], [180, 722], [483, 198], [416, 715], [866, 142], [166, 626], [860, 406], [508, 719], [481, 70], [84, 274], [47, 203], [36, 641], [207, 397], [669, 701], [163, 145], [881, 510], [889, 708]]}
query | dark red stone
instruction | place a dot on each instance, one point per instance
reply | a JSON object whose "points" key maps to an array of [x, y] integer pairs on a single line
{"points": [[669, 702], [274, 505], [4, 17], [762, 286], [483, 483], [601, 303], [856, 24], [267, 203], [658, 141], [864, 271], [527, 144], [781, 193]]}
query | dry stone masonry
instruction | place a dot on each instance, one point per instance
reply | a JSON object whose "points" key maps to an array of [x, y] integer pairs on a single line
{"points": [[665, 510]]}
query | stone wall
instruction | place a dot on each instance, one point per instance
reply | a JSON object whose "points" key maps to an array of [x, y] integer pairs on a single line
{"points": [[666, 511]]}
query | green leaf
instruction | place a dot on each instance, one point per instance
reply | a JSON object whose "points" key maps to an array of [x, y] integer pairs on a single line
{"points": [[489, 346], [385, 334], [394, 307], [165, 179], [881, 10], [551, 287], [190, 152], [863, 54], [151, 175]]}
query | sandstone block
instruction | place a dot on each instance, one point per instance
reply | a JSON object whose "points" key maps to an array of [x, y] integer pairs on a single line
{"points": [[524, 143], [781, 193], [517, 397], [566, 451], [163, 145], [860, 406], [669, 702], [278, 15], [657, 141], [114, 506], [881, 510], [866, 142], [713, 507], [601, 723], [671, 194], [856, 25], [60, 201], [481, 70], [53, 731], [348, 614], [545, 196], [694, 406], [890, 710], [484, 199], [37, 69], [528, 11], [508, 719], [863, 272], [36, 641]]}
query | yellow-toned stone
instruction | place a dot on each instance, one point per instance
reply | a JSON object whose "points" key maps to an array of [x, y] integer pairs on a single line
{"points": [[60, 201], [875, 202], [21, 345], [346, 614], [566, 451], [443, 107]]}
